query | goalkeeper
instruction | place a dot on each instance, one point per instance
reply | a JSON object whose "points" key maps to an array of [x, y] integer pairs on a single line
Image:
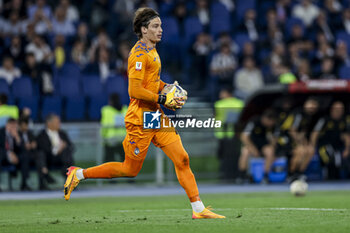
{"points": [[144, 68]]}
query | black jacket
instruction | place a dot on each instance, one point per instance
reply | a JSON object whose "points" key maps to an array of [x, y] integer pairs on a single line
{"points": [[44, 143]]}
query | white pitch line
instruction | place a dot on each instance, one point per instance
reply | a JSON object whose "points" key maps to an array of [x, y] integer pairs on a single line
{"points": [[229, 209]]}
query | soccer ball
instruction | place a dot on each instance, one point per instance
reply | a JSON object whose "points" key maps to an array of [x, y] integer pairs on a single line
{"points": [[298, 187], [179, 92]]}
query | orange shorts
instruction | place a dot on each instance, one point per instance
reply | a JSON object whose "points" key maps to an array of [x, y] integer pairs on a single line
{"points": [[137, 140]]}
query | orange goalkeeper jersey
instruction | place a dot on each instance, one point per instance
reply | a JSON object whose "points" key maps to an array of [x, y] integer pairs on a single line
{"points": [[144, 69]]}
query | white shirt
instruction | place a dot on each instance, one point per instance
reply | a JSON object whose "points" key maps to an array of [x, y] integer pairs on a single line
{"points": [[248, 81], [39, 52], [55, 140], [10, 75], [306, 14]]}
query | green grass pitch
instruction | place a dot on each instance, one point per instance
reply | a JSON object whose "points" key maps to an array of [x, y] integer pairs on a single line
{"points": [[253, 212]]}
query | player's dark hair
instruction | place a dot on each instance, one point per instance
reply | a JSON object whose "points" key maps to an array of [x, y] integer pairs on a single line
{"points": [[142, 18]]}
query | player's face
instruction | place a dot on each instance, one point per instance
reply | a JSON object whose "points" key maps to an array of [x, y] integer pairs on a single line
{"points": [[154, 30]]}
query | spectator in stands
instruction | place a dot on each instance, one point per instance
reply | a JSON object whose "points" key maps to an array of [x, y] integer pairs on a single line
{"points": [[202, 12], [72, 13], [29, 150], [59, 51], [306, 11], [277, 57], [344, 25], [342, 57], [14, 5], [258, 141], [56, 146], [225, 38], [99, 15], [304, 122], [15, 50], [249, 25], [41, 75], [11, 152], [327, 69], [180, 13], [79, 53], [303, 71], [83, 34], [8, 71], [248, 79], [324, 50], [124, 10], [201, 50], [102, 40], [40, 5], [283, 10], [113, 128], [333, 10], [297, 39], [103, 66], [223, 65], [248, 50], [122, 60], [333, 140], [274, 36], [40, 49], [42, 23], [61, 25], [14, 26], [321, 25], [295, 56]]}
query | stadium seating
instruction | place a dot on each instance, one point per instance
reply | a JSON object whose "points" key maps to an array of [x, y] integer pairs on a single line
{"points": [[51, 104], [69, 87], [278, 170], [31, 102], [243, 6], [74, 109], [344, 72], [95, 105], [92, 86], [4, 88], [22, 87], [192, 27], [220, 19], [116, 84]]}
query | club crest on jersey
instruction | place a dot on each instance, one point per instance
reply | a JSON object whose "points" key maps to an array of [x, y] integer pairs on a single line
{"points": [[136, 151], [138, 65]]}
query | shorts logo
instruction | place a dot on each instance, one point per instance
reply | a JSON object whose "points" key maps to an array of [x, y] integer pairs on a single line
{"points": [[138, 65], [151, 120], [136, 151]]}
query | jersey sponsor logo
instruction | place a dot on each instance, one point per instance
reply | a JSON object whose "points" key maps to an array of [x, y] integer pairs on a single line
{"points": [[151, 120], [138, 65]]}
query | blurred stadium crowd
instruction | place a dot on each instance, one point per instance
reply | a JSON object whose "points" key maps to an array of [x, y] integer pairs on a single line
{"points": [[67, 57], [63, 53]]}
